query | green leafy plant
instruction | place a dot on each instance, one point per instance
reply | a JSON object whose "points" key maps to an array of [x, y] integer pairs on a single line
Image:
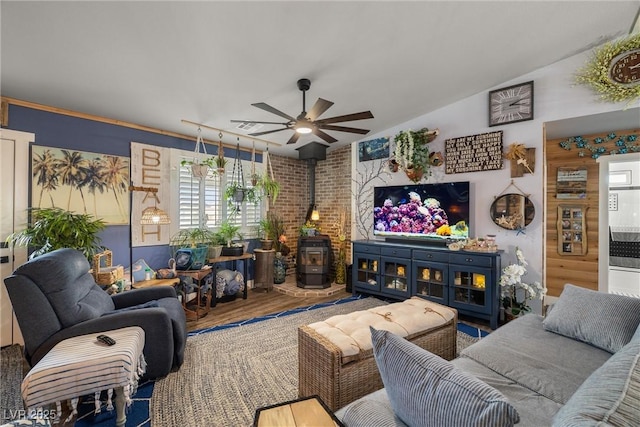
{"points": [[412, 152], [269, 186], [221, 163], [192, 237], [209, 161], [54, 228], [228, 231], [235, 193]]}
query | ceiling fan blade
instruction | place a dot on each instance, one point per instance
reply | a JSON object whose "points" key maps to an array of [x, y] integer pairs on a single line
{"points": [[346, 118], [318, 108], [268, 131], [294, 138], [269, 108], [328, 138], [344, 129], [259, 122]]}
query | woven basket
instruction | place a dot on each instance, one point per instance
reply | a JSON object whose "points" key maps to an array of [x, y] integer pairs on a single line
{"points": [[106, 274]]}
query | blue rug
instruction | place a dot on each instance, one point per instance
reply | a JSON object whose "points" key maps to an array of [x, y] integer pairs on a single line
{"points": [[138, 414]]}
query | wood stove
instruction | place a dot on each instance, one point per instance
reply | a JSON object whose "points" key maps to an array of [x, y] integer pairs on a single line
{"points": [[312, 263]]}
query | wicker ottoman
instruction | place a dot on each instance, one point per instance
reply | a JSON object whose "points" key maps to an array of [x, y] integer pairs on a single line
{"points": [[335, 358]]}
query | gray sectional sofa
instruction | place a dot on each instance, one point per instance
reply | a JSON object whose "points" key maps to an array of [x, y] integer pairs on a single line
{"points": [[579, 366]]}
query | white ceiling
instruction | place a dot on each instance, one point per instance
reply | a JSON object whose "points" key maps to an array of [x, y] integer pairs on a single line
{"points": [[156, 63]]}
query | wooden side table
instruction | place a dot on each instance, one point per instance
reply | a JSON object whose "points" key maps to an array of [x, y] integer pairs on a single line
{"points": [[197, 308], [308, 411], [155, 282], [245, 257]]}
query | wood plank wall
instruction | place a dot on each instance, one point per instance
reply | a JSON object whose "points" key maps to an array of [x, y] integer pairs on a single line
{"points": [[580, 270]]}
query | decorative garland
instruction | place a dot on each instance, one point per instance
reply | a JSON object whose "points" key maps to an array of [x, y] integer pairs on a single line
{"points": [[596, 72], [624, 144]]}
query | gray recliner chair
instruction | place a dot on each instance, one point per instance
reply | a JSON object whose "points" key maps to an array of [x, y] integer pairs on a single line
{"points": [[55, 297]]}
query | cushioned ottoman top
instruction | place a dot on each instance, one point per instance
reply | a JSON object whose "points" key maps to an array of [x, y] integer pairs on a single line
{"points": [[350, 332]]}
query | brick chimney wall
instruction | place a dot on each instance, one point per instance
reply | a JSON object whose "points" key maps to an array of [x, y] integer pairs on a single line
{"points": [[333, 194]]}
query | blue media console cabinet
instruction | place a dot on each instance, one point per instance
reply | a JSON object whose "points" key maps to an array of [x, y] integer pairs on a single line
{"points": [[467, 281]]}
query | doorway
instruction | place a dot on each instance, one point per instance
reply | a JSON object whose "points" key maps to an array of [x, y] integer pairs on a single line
{"points": [[619, 228], [14, 178]]}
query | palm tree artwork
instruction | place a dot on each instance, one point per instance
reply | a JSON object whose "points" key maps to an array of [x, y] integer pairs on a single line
{"points": [[68, 177], [45, 169]]}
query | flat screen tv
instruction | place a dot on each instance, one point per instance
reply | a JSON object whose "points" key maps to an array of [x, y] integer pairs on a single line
{"points": [[431, 211]]}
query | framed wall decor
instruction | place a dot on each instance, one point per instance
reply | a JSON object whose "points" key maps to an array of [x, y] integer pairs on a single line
{"points": [[81, 182], [511, 104], [373, 149], [572, 230]]}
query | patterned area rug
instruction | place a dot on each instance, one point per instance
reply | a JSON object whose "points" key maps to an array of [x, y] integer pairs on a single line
{"points": [[229, 372]]}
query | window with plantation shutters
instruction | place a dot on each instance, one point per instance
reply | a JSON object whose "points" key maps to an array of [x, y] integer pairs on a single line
{"points": [[202, 203]]}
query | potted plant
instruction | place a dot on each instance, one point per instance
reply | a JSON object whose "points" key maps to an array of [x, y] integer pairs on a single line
{"points": [[199, 240], [264, 229], [228, 231], [514, 293], [269, 186], [54, 228], [412, 152], [220, 162], [235, 193], [309, 229], [200, 168]]}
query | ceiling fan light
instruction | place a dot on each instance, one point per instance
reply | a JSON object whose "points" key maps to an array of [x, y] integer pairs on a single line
{"points": [[303, 129]]}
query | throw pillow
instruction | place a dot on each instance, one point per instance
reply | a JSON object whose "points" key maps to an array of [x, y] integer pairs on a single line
{"points": [[610, 396], [426, 390], [370, 413], [606, 321]]}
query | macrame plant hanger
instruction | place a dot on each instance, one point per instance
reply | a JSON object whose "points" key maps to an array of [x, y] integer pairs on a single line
{"points": [[237, 179], [199, 170]]}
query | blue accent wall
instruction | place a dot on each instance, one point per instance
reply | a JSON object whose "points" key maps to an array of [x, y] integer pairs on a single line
{"points": [[68, 132]]}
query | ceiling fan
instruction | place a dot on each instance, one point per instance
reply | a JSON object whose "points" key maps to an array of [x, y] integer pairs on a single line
{"points": [[307, 121]]}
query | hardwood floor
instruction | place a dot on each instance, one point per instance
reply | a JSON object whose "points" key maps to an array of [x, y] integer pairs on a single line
{"points": [[258, 303]]}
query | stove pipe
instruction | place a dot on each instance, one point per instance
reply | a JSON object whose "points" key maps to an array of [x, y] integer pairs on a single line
{"points": [[312, 152]]}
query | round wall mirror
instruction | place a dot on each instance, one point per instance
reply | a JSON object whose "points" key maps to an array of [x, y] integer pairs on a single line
{"points": [[512, 211]]}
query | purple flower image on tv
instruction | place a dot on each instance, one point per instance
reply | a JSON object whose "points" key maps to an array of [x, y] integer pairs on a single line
{"points": [[425, 210]]}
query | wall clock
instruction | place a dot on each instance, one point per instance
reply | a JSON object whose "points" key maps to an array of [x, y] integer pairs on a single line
{"points": [[511, 104], [613, 70], [625, 68]]}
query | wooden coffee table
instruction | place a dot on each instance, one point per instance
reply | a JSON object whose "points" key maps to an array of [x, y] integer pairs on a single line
{"points": [[308, 411]]}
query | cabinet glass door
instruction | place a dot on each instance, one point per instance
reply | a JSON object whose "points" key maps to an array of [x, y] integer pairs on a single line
{"points": [[431, 281], [395, 275], [469, 288], [365, 271]]}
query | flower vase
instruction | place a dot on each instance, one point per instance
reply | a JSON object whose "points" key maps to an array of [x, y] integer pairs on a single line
{"points": [[279, 269], [341, 269]]}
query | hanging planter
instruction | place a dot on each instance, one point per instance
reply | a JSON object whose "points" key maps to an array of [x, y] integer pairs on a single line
{"points": [[199, 170], [267, 183], [237, 191], [238, 195], [414, 174], [412, 152], [199, 167], [220, 161]]}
